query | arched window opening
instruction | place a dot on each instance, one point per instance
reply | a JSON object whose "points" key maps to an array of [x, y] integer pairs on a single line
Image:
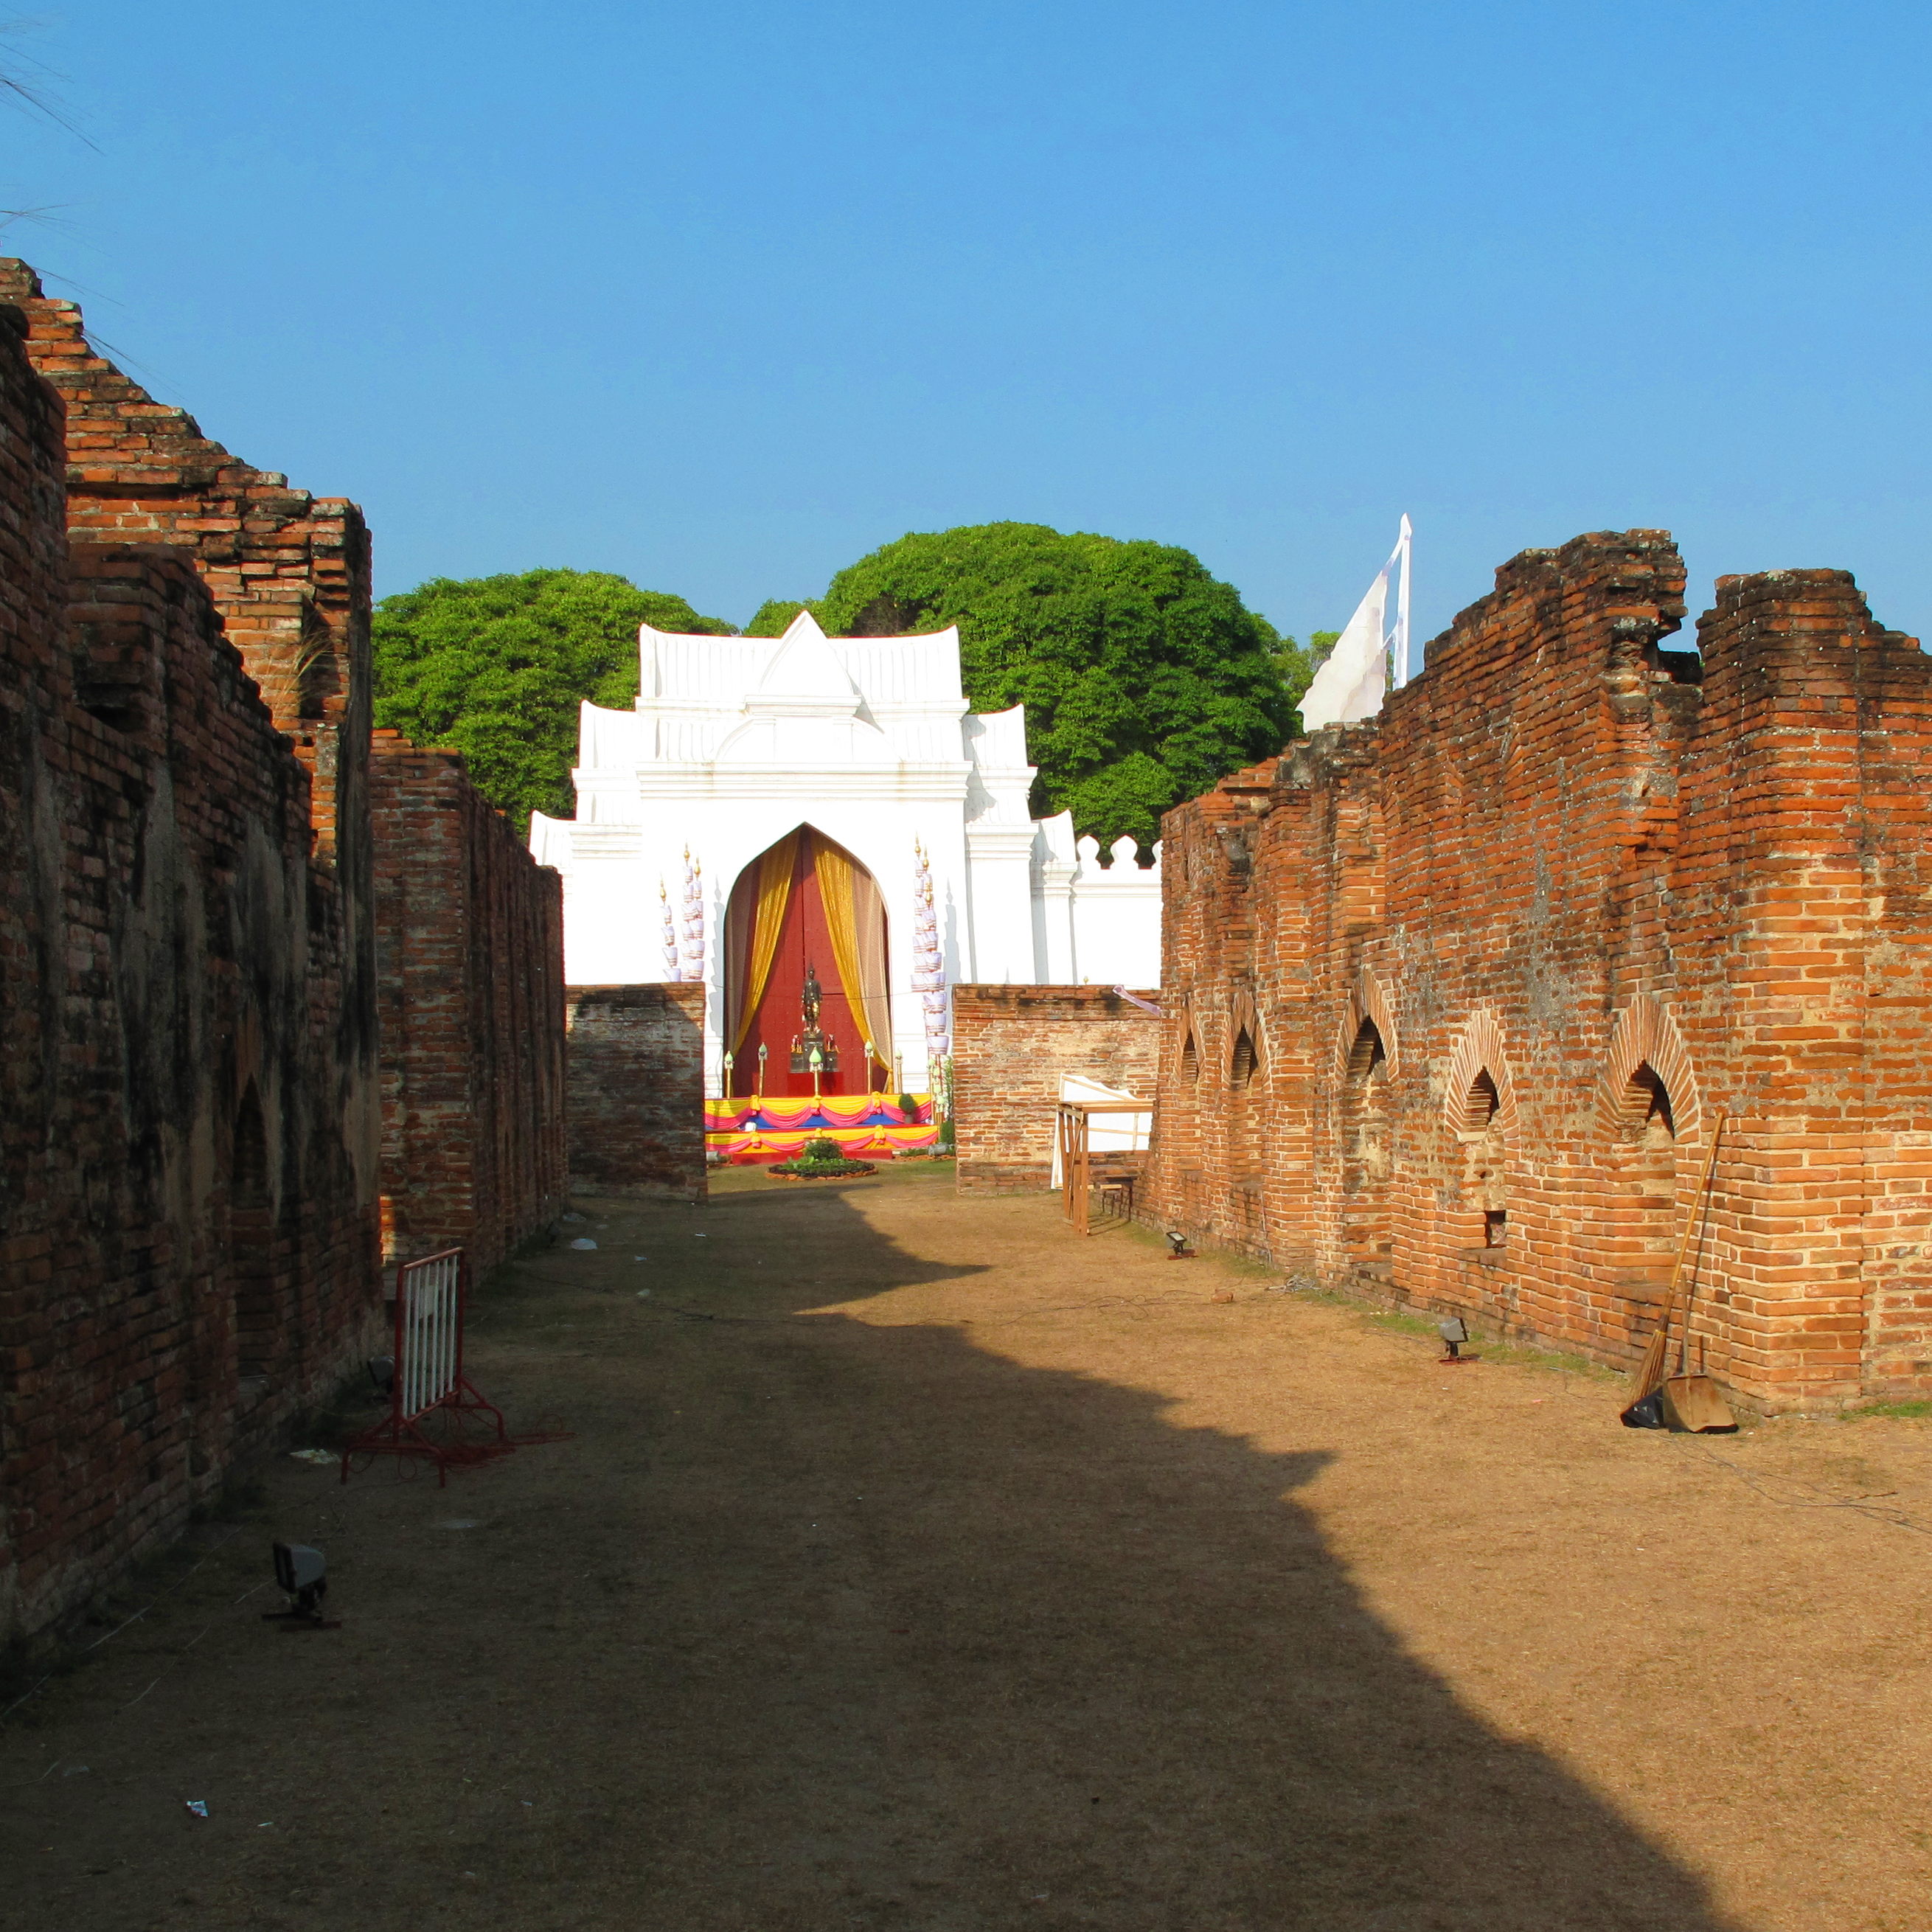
{"points": [[251, 1244], [1241, 1067], [1648, 1118], [1367, 1234], [1176, 1127], [1640, 1235], [1486, 1164], [1366, 1056]]}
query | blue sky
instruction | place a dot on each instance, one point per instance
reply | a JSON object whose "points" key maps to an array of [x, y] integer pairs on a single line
{"points": [[722, 297]]}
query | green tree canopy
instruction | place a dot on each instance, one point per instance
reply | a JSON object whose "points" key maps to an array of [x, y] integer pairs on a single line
{"points": [[497, 666], [1144, 678]]}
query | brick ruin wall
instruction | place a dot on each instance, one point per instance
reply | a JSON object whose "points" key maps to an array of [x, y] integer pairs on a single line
{"points": [[1455, 998], [289, 574], [194, 1152], [470, 952], [635, 1063], [1011, 1046], [189, 1217]]}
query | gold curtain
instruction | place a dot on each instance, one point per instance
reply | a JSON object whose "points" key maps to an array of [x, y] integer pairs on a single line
{"points": [[851, 899], [775, 870]]}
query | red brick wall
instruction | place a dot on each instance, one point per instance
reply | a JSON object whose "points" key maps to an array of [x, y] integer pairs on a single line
{"points": [[288, 571], [190, 1228], [1011, 1045], [635, 1062], [1554, 862], [290, 575], [469, 945]]}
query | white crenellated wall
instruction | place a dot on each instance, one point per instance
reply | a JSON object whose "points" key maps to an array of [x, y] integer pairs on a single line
{"points": [[1095, 922]]}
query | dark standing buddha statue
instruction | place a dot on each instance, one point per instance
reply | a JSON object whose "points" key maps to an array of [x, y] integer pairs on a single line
{"points": [[802, 1043]]}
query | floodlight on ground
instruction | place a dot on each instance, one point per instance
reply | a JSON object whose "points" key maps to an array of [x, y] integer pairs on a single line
{"points": [[1177, 1243], [301, 1572], [1454, 1332], [383, 1373]]}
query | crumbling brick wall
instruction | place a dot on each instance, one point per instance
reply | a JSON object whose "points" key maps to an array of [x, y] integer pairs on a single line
{"points": [[1011, 1047], [634, 1059], [189, 1221], [289, 574], [1456, 997], [470, 946]]}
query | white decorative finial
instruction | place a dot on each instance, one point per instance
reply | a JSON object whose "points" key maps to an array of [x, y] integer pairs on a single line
{"points": [[671, 971], [691, 939]]}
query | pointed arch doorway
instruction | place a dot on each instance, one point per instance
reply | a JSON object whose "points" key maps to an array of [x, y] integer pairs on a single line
{"points": [[806, 912]]}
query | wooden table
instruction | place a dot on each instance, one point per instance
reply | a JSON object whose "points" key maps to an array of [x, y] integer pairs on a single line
{"points": [[1075, 1119]]}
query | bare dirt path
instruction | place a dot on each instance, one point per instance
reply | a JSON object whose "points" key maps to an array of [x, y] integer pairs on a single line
{"points": [[914, 1564]]}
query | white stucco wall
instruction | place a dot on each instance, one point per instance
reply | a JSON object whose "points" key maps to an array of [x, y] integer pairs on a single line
{"points": [[736, 741]]}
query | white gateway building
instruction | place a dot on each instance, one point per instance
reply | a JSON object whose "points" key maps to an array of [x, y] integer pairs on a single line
{"points": [[819, 829]]}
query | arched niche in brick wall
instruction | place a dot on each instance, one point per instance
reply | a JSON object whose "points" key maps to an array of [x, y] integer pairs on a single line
{"points": [[1479, 1104], [1177, 1122], [1645, 1033], [1647, 1106], [1247, 1047], [254, 1289], [1366, 1131], [1479, 1091], [1245, 1069], [1368, 1001]]}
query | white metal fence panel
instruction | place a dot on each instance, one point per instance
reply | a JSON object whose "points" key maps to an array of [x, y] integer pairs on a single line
{"points": [[429, 1325]]}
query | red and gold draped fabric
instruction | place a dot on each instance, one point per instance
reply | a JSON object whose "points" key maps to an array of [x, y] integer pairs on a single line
{"points": [[855, 918], [770, 897], [806, 903]]}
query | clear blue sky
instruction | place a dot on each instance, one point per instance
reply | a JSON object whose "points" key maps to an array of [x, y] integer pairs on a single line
{"points": [[723, 296]]}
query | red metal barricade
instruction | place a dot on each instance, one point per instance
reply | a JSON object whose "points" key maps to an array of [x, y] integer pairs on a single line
{"points": [[434, 1409]]}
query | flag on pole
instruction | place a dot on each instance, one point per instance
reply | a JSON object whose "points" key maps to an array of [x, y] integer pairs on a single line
{"points": [[1351, 684]]}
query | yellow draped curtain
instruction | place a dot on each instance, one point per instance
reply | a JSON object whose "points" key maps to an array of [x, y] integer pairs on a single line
{"points": [[775, 870], [853, 918]]}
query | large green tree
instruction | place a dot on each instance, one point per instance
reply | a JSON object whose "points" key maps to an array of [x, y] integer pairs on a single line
{"points": [[1144, 678], [497, 667]]}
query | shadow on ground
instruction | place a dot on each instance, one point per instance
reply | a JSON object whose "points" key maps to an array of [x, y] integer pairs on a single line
{"points": [[821, 1623]]}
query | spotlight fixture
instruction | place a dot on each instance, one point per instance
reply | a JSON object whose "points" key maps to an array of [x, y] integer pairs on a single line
{"points": [[383, 1373], [301, 1573], [1454, 1333], [1177, 1243]]}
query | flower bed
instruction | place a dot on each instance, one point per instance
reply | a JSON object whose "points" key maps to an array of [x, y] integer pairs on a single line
{"points": [[823, 1160]]}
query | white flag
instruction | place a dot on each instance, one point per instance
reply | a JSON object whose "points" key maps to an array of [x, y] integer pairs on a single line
{"points": [[1354, 680]]}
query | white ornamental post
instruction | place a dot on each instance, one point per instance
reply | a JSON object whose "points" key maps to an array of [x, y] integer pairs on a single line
{"points": [[928, 974], [691, 940], [670, 933]]}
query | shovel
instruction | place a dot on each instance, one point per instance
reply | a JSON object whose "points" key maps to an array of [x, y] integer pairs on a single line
{"points": [[1692, 1402], [1648, 1410]]}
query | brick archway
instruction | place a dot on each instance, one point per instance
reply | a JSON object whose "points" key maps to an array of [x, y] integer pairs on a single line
{"points": [[1479, 1050], [1645, 1032], [1368, 999], [1181, 1018], [1244, 1017]]}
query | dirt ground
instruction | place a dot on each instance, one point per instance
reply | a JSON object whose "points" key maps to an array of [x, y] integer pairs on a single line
{"points": [[913, 1564]]}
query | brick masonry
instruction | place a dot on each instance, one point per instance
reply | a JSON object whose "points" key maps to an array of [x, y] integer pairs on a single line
{"points": [[635, 1062], [189, 1229], [469, 949], [1455, 998], [289, 573], [191, 1126], [1011, 1046]]}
